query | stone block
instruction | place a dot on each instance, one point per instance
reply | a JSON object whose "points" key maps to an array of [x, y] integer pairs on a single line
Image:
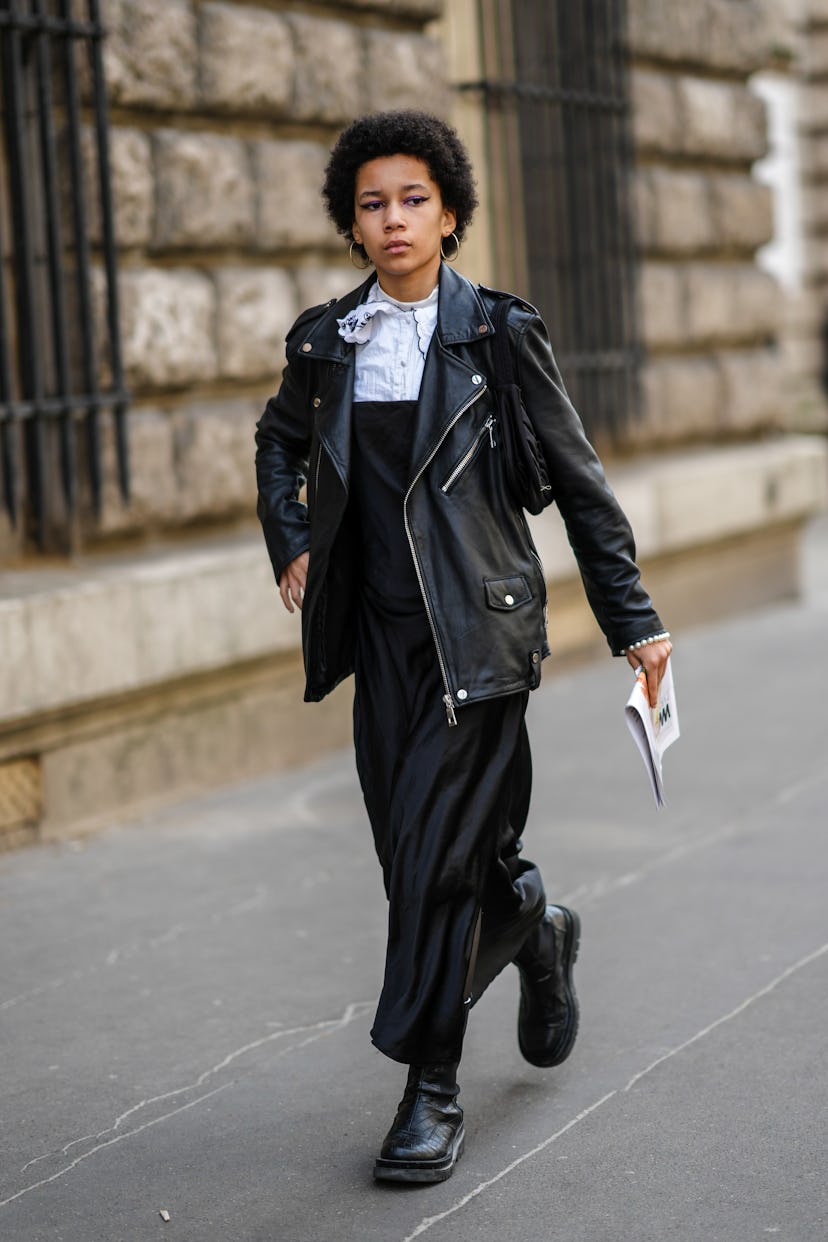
{"points": [[814, 209], [815, 54], [316, 285], [404, 71], [205, 193], [289, 210], [682, 400], [716, 34], [813, 108], [662, 304], [79, 641], [214, 458], [815, 156], [150, 55], [738, 37], [328, 69], [753, 397], [720, 120], [726, 301], [424, 9], [817, 266], [152, 502], [167, 327], [742, 211], [132, 182], [246, 58], [667, 32], [19, 695], [677, 211], [255, 310], [655, 112]]}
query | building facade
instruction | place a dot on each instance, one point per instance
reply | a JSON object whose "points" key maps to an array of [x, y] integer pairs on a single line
{"points": [[143, 650]]}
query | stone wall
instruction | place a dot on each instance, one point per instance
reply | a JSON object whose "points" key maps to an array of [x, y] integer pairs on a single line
{"points": [[222, 115], [710, 315]]}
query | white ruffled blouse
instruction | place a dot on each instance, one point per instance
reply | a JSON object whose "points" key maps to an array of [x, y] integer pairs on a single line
{"points": [[391, 340]]}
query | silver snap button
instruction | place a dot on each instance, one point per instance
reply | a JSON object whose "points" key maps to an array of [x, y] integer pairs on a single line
{"points": [[510, 599], [317, 401], [307, 347], [477, 379], [482, 328], [462, 694], [535, 657]]}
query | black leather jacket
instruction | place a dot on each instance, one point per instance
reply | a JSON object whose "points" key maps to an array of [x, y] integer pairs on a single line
{"points": [[482, 582]]}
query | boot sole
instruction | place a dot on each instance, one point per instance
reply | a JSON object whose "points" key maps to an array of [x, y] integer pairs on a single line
{"points": [[567, 1040], [422, 1171]]}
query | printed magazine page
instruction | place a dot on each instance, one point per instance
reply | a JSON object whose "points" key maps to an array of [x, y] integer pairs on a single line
{"points": [[653, 729]]}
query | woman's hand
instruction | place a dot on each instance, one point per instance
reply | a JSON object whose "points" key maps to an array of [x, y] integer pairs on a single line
{"points": [[292, 582], [652, 657]]}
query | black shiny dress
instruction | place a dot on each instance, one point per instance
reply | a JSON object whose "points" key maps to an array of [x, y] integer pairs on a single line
{"points": [[446, 805]]}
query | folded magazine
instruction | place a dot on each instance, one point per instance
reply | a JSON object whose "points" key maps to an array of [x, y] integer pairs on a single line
{"points": [[653, 728]]}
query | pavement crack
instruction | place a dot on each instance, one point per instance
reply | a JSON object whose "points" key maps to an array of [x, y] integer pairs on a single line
{"points": [[312, 1031], [745, 1004], [429, 1221], [109, 1143]]}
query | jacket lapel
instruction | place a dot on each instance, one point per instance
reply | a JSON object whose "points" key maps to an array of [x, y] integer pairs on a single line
{"points": [[324, 346], [449, 382]]}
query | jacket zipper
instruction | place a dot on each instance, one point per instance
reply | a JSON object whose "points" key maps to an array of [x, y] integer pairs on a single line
{"points": [[471, 452], [448, 701]]}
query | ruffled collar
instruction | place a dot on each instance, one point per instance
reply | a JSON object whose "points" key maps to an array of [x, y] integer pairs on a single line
{"points": [[356, 327]]}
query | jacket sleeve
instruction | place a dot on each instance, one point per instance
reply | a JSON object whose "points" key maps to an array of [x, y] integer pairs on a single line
{"points": [[283, 436], [597, 528]]}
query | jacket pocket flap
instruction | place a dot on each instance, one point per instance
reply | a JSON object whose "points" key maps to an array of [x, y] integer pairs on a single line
{"points": [[507, 593]]}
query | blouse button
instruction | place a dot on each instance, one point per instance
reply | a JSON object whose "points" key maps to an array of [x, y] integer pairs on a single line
{"points": [[510, 599], [462, 694]]}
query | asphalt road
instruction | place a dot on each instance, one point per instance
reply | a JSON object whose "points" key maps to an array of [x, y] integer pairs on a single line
{"points": [[185, 1001]]}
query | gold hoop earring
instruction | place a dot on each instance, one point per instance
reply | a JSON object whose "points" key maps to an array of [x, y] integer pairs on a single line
{"points": [[450, 258], [359, 266]]}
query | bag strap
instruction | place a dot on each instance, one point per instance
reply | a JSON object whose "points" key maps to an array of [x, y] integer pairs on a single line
{"points": [[504, 364]]}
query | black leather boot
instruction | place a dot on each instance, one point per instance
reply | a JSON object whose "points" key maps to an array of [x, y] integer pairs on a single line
{"points": [[548, 1015], [426, 1140]]}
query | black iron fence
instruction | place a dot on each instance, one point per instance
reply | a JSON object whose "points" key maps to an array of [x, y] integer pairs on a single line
{"points": [[60, 362], [554, 87]]}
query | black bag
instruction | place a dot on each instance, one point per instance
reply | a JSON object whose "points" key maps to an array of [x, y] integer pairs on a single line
{"points": [[524, 465]]}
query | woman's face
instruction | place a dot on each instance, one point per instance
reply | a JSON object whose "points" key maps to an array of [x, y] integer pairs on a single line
{"points": [[400, 221]]}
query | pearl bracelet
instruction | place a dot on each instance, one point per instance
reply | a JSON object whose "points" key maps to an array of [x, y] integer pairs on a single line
{"points": [[647, 642]]}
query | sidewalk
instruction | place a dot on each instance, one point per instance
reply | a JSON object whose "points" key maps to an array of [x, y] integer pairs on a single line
{"points": [[185, 1001]]}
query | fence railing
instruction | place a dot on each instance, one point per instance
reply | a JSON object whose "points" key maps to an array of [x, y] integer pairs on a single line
{"points": [[60, 360], [555, 94]]}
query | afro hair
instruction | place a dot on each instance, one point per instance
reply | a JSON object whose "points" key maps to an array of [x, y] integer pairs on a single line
{"points": [[404, 132]]}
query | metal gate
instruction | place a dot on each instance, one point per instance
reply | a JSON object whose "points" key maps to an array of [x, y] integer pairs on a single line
{"points": [[555, 94], [60, 362]]}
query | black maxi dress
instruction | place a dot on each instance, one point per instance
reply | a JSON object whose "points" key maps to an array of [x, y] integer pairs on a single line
{"points": [[446, 805]]}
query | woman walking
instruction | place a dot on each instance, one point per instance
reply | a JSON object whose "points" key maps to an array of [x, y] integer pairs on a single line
{"points": [[414, 569]]}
